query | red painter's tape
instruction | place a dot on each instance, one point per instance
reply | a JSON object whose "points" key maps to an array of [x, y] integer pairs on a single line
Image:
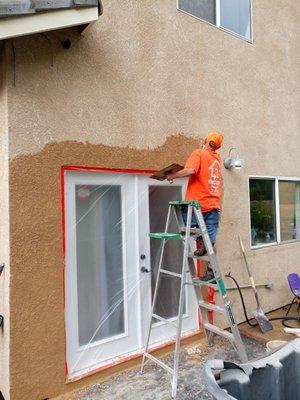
{"points": [[100, 169], [66, 369], [63, 225]]}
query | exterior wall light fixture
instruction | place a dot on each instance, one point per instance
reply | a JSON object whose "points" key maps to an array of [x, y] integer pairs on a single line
{"points": [[233, 162]]}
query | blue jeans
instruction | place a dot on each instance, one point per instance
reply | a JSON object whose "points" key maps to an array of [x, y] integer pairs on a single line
{"points": [[211, 219]]}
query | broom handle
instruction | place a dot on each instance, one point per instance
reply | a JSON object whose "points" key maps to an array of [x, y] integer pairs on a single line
{"points": [[249, 272]]}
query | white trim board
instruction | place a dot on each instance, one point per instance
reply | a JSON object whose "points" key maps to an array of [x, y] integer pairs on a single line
{"points": [[37, 23]]}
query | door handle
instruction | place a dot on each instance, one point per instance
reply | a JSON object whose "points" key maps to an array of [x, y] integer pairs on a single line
{"points": [[145, 270]]}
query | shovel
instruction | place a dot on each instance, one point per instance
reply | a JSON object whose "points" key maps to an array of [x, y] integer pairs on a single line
{"points": [[263, 322]]}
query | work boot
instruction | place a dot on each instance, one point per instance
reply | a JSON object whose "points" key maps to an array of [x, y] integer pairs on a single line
{"points": [[201, 251], [208, 276]]}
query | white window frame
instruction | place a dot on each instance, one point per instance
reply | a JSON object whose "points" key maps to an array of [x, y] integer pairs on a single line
{"points": [[218, 21], [276, 180]]}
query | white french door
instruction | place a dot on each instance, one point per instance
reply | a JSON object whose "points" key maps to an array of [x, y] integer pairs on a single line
{"points": [[100, 269], [111, 267], [154, 197]]}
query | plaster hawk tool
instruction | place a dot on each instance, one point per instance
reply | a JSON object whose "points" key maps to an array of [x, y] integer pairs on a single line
{"points": [[171, 169]]}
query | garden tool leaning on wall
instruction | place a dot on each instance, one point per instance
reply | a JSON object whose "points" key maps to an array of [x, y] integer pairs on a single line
{"points": [[263, 322]]}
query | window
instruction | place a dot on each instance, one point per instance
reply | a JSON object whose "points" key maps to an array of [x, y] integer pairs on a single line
{"points": [[262, 210], [274, 210], [232, 15]]}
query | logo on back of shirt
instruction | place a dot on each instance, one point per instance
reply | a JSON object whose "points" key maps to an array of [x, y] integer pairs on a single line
{"points": [[215, 177]]}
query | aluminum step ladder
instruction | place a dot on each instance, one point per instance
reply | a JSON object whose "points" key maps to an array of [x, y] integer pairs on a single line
{"points": [[184, 235]]}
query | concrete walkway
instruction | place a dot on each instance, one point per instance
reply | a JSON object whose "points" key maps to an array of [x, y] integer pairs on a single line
{"points": [[154, 384]]}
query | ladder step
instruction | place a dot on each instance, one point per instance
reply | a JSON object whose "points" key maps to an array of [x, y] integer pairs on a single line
{"points": [[211, 307], [203, 258], [198, 282], [162, 319], [165, 235], [165, 271], [160, 363], [219, 331], [193, 231]]}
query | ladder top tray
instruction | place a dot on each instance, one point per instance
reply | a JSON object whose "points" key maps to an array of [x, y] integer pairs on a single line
{"points": [[193, 203]]}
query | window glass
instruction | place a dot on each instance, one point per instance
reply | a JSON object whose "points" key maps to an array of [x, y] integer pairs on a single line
{"points": [[289, 205], [235, 15], [262, 208], [99, 262], [169, 289], [203, 9]]}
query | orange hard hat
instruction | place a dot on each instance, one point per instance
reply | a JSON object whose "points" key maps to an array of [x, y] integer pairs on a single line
{"points": [[215, 137]]}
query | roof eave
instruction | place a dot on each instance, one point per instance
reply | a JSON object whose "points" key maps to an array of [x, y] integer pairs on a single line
{"points": [[16, 8], [46, 21]]}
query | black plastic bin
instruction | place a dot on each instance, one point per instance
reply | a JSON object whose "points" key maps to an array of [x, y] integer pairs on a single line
{"points": [[274, 377]]}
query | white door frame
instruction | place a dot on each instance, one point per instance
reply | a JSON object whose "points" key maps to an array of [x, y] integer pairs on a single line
{"points": [[135, 215]]}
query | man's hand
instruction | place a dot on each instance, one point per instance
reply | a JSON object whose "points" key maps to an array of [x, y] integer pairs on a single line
{"points": [[183, 173], [170, 177]]}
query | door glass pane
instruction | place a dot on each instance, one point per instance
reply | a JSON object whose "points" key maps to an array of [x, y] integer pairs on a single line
{"points": [[168, 295], [262, 205], [203, 9], [235, 15], [289, 201], [99, 262]]}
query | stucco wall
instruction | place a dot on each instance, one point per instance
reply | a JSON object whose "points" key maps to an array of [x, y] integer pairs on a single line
{"points": [[4, 231], [143, 73], [146, 70], [37, 333]]}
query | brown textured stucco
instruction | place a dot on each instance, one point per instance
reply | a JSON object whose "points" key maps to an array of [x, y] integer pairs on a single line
{"points": [[37, 311], [143, 72]]}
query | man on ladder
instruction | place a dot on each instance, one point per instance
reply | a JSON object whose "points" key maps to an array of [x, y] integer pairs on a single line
{"points": [[205, 185], [203, 203]]}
